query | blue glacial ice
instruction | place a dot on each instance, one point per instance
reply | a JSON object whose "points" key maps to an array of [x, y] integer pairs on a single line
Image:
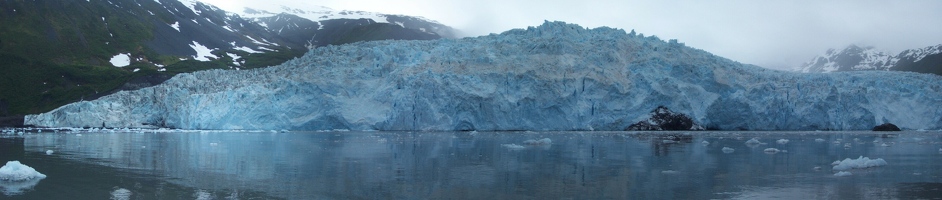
{"points": [[556, 76]]}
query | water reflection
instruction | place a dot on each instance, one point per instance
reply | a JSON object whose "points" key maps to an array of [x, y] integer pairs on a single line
{"points": [[401, 165]]}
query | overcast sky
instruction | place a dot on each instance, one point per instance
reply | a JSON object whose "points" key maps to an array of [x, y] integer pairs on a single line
{"points": [[773, 34]]}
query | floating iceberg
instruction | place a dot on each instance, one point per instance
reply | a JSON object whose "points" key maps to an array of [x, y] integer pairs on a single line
{"points": [[513, 146], [16, 178], [859, 163], [556, 76], [728, 150], [753, 141], [544, 141], [819, 140], [843, 173], [771, 150], [15, 171], [782, 141]]}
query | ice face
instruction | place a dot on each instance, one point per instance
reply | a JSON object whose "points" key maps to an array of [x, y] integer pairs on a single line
{"points": [[556, 76]]}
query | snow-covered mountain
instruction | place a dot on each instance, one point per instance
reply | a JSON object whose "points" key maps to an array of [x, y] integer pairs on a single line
{"points": [[266, 14], [56, 52], [855, 58], [556, 76], [852, 58]]}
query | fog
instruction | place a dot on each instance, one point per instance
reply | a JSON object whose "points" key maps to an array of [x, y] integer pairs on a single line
{"points": [[772, 34]]}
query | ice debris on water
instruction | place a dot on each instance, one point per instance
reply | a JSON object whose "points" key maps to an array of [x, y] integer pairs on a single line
{"points": [[753, 141], [728, 150], [843, 173], [49, 152], [705, 143], [884, 145], [668, 141], [15, 171], [544, 141], [513, 146], [782, 141], [121, 194], [819, 140], [771, 150], [859, 163]]}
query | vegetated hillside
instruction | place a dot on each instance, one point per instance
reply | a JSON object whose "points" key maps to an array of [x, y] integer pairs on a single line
{"points": [[556, 76], [54, 52]]}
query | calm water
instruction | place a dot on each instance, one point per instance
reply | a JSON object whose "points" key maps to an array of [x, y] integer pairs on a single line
{"points": [[461, 165]]}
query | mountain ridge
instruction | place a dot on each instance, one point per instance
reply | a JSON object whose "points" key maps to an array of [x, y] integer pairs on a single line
{"points": [[855, 58]]}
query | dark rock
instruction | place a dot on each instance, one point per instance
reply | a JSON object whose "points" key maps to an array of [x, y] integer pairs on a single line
{"points": [[663, 119], [886, 127], [11, 121]]}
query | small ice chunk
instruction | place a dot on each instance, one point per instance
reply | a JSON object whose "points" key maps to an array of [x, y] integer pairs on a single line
{"points": [[771, 150], [670, 172], [705, 143], [782, 141], [49, 152], [213, 144], [847, 145], [843, 173], [816, 168], [753, 141], [121, 194], [859, 163], [513, 146], [78, 134], [728, 150], [668, 141], [884, 145], [15, 171], [544, 141]]}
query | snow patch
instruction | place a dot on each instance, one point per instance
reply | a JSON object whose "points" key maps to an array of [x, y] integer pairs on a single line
{"points": [[202, 52], [859, 163], [246, 49], [121, 60], [176, 25]]}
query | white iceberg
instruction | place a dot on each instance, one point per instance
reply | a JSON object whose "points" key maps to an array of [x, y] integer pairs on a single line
{"points": [[753, 141], [859, 163], [49, 152], [513, 146], [544, 141], [843, 173], [771, 150], [728, 150], [16, 178], [782, 141], [15, 171]]}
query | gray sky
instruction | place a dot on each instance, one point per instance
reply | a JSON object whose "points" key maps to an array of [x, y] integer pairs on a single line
{"points": [[773, 34]]}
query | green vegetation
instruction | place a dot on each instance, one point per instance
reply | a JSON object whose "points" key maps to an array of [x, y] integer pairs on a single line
{"points": [[50, 58]]}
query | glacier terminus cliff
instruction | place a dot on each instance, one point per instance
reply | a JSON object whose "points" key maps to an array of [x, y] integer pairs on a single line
{"points": [[556, 76]]}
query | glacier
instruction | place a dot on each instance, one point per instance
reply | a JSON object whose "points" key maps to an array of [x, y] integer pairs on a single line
{"points": [[555, 76]]}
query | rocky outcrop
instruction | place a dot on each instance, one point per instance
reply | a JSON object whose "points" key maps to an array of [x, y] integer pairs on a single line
{"points": [[886, 127], [663, 119]]}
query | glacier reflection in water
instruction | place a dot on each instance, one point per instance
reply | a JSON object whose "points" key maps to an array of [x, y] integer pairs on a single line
{"points": [[467, 165]]}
